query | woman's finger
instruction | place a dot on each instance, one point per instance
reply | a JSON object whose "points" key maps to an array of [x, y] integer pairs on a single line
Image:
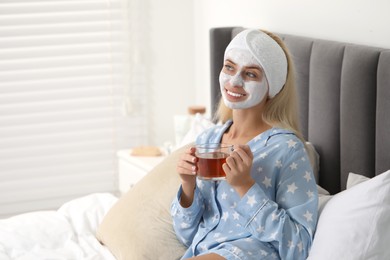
{"points": [[186, 168], [226, 168], [231, 162], [192, 150], [189, 158], [247, 150], [245, 154]]}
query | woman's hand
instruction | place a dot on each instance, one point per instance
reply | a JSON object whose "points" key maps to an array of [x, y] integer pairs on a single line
{"points": [[238, 169], [186, 168]]}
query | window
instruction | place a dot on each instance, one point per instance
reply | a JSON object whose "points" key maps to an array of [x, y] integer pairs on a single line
{"points": [[68, 100]]}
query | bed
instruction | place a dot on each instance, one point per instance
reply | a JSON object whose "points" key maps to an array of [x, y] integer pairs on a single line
{"points": [[344, 92], [66, 233]]}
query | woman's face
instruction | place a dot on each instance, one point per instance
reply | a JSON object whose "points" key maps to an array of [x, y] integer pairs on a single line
{"points": [[242, 82]]}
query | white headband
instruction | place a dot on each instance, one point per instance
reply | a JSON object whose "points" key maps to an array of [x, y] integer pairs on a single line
{"points": [[267, 52]]}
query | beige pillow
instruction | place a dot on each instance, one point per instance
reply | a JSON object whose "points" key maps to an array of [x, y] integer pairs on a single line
{"points": [[139, 225]]}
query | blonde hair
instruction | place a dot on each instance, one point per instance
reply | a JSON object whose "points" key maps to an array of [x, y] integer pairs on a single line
{"points": [[281, 110]]}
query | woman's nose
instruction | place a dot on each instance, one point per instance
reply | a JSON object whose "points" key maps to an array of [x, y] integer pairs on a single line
{"points": [[236, 81]]}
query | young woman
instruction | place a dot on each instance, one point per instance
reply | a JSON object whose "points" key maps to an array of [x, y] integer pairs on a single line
{"points": [[267, 206]]}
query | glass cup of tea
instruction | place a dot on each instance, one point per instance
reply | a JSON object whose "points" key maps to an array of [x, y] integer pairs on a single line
{"points": [[211, 157]]}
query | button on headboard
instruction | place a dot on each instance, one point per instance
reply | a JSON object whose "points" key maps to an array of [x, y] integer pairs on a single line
{"points": [[344, 102]]}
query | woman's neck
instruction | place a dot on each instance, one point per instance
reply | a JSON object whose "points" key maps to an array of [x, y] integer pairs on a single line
{"points": [[245, 127]]}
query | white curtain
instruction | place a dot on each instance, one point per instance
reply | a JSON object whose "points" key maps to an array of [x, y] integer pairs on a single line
{"points": [[72, 93]]}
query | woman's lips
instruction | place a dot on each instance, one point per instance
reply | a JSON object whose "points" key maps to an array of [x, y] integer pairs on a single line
{"points": [[234, 95]]}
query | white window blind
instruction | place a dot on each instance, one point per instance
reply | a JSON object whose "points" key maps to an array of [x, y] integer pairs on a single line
{"points": [[65, 84]]}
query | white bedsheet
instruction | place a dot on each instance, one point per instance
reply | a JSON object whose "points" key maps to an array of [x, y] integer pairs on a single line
{"points": [[68, 233]]}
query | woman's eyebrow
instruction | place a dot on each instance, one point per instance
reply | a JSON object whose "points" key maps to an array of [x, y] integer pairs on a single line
{"points": [[253, 67], [228, 60]]}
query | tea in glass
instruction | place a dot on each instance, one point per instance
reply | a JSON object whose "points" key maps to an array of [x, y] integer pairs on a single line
{"points": [[211, 157]]}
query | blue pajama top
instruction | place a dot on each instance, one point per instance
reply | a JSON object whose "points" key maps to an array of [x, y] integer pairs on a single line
{"points": [[275, 219]]}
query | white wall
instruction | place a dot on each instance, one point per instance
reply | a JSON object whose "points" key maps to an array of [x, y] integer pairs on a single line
{"points": [[172, 59], [180, 72]]}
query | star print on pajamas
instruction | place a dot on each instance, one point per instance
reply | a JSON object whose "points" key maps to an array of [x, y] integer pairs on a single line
{"points": [[276, 218]]}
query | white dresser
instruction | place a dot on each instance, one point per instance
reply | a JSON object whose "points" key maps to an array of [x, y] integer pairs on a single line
{"points": [[133, 168]]}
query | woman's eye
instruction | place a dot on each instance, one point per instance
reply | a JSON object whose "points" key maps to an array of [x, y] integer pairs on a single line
{"points": [[251, 75], [228, 67]]}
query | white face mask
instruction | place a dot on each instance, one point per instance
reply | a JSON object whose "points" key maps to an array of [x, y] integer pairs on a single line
{"points": [[255, 90]]}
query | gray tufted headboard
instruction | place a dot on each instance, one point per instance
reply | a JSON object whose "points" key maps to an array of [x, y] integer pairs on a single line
{"points": [[344, 102]]}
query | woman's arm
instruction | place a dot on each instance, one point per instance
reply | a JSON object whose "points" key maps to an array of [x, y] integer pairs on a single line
{"points": [[187, 219], [186, 207], [288, 223]]}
